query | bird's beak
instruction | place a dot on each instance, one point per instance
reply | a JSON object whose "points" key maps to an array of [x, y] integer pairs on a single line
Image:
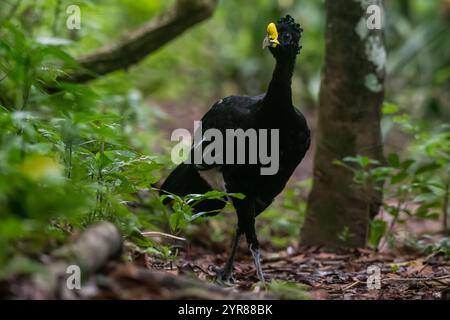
{"points": [[267, 42]]}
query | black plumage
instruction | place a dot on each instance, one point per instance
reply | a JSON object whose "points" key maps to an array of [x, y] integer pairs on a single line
{"points": [[273, 110]]}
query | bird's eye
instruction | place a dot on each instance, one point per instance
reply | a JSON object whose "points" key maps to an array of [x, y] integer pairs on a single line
{"points": [[286, 37]]}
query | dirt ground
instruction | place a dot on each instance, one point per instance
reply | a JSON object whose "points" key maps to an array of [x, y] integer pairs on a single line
{"points": [[329, 275]]}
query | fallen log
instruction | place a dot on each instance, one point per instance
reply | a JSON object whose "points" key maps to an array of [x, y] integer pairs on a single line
{"points": [[154, 284], [91, 252], [94, 247]]}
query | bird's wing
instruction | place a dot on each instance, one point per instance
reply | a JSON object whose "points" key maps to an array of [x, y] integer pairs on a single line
{"points": [[227, 113]]}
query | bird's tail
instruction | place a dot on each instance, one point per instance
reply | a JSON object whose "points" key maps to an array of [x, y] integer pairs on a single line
{"points": [[185, 180]]}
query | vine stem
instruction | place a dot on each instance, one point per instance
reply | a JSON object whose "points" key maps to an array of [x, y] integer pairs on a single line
{"points": [[393, 222]]}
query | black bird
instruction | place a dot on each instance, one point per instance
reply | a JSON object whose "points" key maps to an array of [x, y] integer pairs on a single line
{"points": [[272, 111]]}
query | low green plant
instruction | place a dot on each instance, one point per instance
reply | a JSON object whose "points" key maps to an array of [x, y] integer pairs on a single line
{"points": [[288, 290], [417, 186], [182, 213], [67, 159]]}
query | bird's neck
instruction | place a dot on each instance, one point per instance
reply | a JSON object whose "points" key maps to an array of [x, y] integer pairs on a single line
{"points": [[279, 92]]}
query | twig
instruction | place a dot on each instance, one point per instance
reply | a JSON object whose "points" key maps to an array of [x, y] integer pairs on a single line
{"points": [[419, 279], [408, 263], [193, 267], [425, 261], [351, 285], [156, 233], [398, 209]]}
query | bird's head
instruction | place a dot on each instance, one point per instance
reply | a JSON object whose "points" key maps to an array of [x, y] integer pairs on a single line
{"points": [[283, 37]]}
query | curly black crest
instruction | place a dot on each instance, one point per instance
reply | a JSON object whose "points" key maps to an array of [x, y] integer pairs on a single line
{"points": [[290, 32]]}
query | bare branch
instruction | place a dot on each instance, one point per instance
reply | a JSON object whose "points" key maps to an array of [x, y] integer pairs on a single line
{"points": [[134, 46]]}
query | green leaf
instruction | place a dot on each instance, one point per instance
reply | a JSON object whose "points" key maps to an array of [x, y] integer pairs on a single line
{"points": [[136, 237], [102, 160], [350, 159], [393, 160], [239, 196], [174, 220], [214, 195], [423, 210], [401, 176], [381, 172], [427, 168], [405, 165], [392, 210], [390, 108], [378, 228], [426, 197], [433, 215], [363, 161]]}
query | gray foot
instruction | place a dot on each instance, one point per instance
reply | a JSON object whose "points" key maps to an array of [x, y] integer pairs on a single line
{"points": [[224, 276], [257, 258]]}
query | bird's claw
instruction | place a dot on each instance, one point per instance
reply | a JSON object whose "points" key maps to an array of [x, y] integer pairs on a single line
{"points": [[224, 276]]}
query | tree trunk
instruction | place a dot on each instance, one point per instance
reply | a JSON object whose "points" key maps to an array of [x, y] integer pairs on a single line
{"points": [[351, 96]]}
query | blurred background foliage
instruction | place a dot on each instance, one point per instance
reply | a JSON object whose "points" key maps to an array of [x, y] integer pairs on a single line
{"points": [[75, 157]]}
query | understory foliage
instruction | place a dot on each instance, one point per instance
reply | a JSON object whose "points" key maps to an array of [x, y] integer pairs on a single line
{"points": [[414, 187], [73, 158], [67, 159]]}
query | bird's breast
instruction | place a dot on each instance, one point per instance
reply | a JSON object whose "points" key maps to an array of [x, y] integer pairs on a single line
{"points": [[214, 178]]}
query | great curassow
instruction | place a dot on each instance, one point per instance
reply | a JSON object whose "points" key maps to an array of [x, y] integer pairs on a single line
{"points": [[270, 111]]}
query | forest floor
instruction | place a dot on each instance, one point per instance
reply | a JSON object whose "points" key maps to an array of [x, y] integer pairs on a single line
{"points": [[328, 275], [302, 273], [305, 274]]}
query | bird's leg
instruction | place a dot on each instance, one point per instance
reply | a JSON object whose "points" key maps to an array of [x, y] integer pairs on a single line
{"points": [[246, 220], [257, 258], [225, 274]]}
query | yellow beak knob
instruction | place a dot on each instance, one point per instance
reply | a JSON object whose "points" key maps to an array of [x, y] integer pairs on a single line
{"points": [[272, 32]]}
